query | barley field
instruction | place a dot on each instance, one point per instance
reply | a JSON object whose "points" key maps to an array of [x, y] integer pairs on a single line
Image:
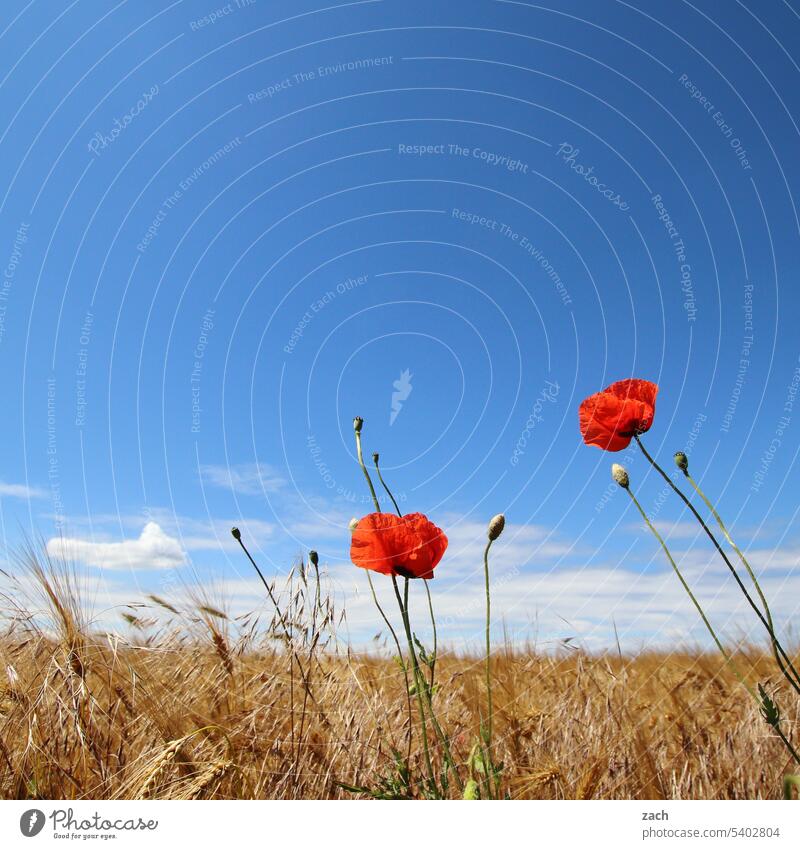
{"points": [[187, 703]]}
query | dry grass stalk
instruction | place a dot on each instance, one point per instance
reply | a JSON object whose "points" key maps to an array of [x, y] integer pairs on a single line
{"points": [[168, 713]]}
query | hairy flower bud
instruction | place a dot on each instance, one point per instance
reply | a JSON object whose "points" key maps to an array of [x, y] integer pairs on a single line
{"points": [[313, 557], [496, 526], [620, 475], [682, 461], [358, 423], [352, 524], [236, 533], [376, 457]]}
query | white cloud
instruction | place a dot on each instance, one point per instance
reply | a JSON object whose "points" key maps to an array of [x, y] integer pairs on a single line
{"points": [[244, 478], [152, 550], [20, 490], [518, 546], [688, 530]]}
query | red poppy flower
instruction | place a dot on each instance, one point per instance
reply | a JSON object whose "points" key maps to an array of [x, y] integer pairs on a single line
{"points": [[409, 546], [611, 418]]}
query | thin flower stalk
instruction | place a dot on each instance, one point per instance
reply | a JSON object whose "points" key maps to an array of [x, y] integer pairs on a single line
{"points": [[683, 464], [419, 683], [495, 529], [720, 551], [287, 632], [358, 423], [725, 654], [432, 666], [376, 460], [402, 662]]}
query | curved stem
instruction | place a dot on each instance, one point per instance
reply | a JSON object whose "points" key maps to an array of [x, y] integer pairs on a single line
{"points": [[754, 579], [287, 632], [383, 482], [703, 616], [689, 592], [366, 473], [720, 551]]}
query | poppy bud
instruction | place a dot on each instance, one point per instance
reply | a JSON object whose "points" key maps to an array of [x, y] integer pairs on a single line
{"points": [[313, 557], [620, 475], [237, 534], [352, 524], [376, 457], [357, 424], [682, 461], [496, 526]]}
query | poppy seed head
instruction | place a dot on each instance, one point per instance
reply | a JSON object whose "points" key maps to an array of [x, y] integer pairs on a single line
{"points": [[620, 475], [358, 423], [236, 533], [496, 526], [313, 557], [376, 457]]}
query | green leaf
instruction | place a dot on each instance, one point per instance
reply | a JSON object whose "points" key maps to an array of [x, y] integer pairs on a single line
{"points": [[769, 710]]}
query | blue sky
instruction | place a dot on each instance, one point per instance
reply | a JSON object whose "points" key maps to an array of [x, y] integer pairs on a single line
{"points": [[226, 229]]}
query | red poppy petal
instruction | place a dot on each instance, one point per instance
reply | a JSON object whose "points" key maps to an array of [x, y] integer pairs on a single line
{"points": [[609, 419], [635, 390], [600, 417], [410, 546]]}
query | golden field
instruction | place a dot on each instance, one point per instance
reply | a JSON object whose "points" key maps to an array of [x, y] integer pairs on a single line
{"points": [[193, 705]]}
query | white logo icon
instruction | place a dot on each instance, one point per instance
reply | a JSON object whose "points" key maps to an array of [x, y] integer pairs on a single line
{"points": [[31, 822], [403, 389]]}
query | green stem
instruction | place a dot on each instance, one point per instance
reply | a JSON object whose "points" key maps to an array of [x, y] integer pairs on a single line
{"points": [[794, 682], [366, 473], [719, 549], [377, 604], [723, 652], [788, 745], [691, 595], [491, 778], [448, 754], [317, 595], [383, 482], [489, 704], [435, 638], [401, 659], [790, 781], [418, 681]]}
